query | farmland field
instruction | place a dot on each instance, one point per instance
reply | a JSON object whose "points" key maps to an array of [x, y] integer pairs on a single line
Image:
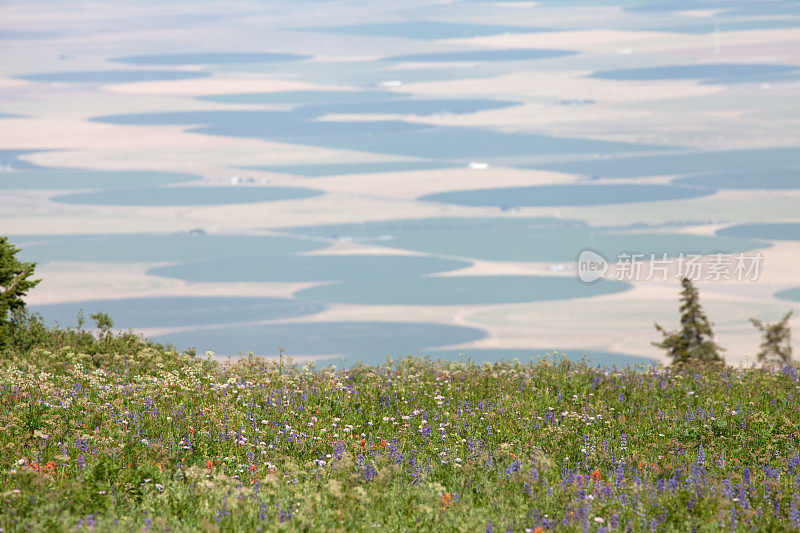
{"points": [[396, 265]]}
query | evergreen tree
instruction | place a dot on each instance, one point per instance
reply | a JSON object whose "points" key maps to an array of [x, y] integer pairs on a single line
{"points": [[14, 284], [694, 341], [776, 343]]}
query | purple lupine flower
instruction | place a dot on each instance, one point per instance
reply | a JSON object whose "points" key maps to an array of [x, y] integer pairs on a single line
{"points": [[792, 463], [263, 511], [368, 472], [222, 513], [620, 473], [516, 466], [338, 449], [727, 489], [741, 493], [285, 514], [88, 521], [794, 511]]}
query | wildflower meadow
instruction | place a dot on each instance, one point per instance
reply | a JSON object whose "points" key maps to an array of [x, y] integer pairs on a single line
{"points": [[154, 439]]}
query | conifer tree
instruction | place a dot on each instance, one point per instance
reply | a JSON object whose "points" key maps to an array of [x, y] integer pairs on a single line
{"points": [[14, 284], [776, 343], [694, 341]]}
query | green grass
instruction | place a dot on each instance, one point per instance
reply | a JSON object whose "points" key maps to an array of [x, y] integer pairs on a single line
{"points": [[149, 438]]}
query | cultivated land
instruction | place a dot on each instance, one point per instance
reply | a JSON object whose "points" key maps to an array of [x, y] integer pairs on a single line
{"points": [[685, 113], [144, 438], [122, 434]]}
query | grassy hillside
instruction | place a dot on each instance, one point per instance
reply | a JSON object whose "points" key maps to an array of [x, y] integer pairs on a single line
{"points": [[156, 439]]}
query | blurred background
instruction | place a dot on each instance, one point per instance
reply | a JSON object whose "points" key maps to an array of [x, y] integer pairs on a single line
{"points": [[350, 180]]}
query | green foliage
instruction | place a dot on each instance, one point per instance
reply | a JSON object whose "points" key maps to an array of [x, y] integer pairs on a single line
{"points": [[694, 342], [103, 322], [14, 284], [27, 332], [776, 342], [166, 441]]}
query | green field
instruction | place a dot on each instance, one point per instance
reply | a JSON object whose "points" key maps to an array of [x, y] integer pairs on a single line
{"points": [[145, 437]]}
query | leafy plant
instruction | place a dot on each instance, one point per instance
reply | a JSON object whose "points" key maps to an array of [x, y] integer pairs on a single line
{"points": [[103, 322]]}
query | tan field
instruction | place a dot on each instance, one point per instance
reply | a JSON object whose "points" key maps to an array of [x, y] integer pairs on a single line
{"points": [[679, 113]]}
